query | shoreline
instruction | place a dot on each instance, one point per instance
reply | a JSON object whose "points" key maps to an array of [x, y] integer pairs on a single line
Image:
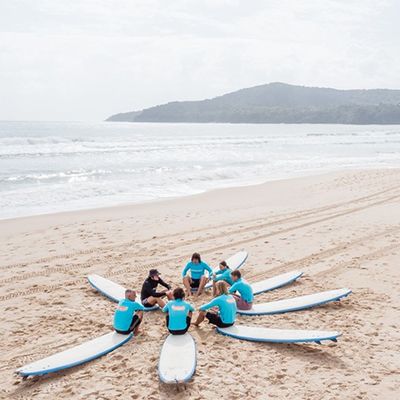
{"points": [[109, 208], [342, 229]]}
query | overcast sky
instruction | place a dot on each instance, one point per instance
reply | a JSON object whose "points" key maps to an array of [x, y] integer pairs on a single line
{"points": [[87, 59]]}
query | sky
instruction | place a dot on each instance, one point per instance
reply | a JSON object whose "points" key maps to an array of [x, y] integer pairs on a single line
{"points": [[83, 60]]}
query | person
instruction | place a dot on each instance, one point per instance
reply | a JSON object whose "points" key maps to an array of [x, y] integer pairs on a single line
{"points": [[128, 315], [223, 274], [198, 279], [244, 300], [149, 295], [179, 313], [226, 305]]}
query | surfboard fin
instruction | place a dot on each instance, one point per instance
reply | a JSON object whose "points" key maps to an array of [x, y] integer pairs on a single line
{"points": [[318, 342], [334, 340]]}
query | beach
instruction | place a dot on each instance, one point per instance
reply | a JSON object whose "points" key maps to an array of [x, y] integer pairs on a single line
{"points": [[341, 228]]}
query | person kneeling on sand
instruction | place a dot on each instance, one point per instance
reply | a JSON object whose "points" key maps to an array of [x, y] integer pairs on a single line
{"points": [[179, 313], [226, 305], [149, 295], [128, 315], [223, 274], [244, 300], [198, 279]]}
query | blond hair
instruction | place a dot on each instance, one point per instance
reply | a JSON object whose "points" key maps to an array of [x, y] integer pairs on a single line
{"points": [[222, 287]]}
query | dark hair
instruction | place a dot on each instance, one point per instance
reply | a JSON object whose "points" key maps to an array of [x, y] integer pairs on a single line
{"points": [[196, 256], [236, 273], [224, 264], [178, 293]]}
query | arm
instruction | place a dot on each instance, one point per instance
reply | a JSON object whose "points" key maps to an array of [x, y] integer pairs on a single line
{"points": [[162, 283], [139, 313], [185, 270], [165, 309], [232, 289], [150, 291], [209, 269], [211, 304]]}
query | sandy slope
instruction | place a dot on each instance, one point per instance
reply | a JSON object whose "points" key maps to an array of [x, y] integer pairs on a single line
{"points": [[341, 229]]}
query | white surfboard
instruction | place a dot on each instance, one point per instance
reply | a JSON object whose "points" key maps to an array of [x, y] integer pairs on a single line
{"points": [[76, 355], [260, 334], [177, 359], [296, 303], [234, 262], [112, 290], [275, 282]]}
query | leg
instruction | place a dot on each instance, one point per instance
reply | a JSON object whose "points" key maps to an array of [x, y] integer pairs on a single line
{"points": [[135, 324], [203, 282], [156, 300], [200, 318], [186, 282], [214, 288]]}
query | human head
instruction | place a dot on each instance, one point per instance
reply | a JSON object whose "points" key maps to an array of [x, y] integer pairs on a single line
{"points": [[178, 293], [236, 275], [223, 265], [196, 259], [222, 287], [154, 274], [130, 294]]}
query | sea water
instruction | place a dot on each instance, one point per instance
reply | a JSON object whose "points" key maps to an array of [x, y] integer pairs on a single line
{"points": [[58, 166]]}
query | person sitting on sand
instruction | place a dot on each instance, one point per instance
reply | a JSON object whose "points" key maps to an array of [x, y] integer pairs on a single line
{"points": [[129, 314], [226, 305], [223, 274], [244, 300], [149, 295], [179, 313], [198, 279]]}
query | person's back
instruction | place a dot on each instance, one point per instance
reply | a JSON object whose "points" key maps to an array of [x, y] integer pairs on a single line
{"points": [[226, 305], [128, 313], [227, 308], [179, 313]]}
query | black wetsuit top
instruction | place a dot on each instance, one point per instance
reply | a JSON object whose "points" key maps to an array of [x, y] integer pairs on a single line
{"points": [[149, 288]]}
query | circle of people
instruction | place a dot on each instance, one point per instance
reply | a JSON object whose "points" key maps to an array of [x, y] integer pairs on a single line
{"points": [[230, 292]]}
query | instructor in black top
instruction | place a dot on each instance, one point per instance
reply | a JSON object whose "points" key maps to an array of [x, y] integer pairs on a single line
{"points": [[150, 297]]}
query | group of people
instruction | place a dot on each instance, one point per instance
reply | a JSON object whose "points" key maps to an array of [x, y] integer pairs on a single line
{"points": [[230, 292]]}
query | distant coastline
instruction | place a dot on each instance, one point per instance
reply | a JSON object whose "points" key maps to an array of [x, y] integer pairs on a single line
{"points": [[279, 103]]}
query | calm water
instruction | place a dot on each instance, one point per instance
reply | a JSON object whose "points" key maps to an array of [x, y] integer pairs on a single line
{"points": [[55, 166]]}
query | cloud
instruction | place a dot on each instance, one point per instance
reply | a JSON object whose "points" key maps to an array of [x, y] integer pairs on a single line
{"points": [[84, 60]]}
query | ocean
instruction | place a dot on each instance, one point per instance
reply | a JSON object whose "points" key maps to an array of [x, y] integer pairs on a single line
{"points": [[49, 167]]}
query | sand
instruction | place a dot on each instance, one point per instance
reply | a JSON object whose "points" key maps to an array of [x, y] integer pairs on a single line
{"points": [[342, 229]]}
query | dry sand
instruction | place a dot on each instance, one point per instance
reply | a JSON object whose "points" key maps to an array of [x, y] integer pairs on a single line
{"points": [[341, 229]]}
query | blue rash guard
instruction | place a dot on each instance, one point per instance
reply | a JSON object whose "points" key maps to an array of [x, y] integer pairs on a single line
{"points": [[124, 313], [245, 290], [197, 270], [224, 275], [178, 311], [227, 307]]}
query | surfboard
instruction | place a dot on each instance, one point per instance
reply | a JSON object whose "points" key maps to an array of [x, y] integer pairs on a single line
{"points": [[177, 359], [275, 282], [296, 303], [234, 262], [75, 355], [112, 290], [260, 334]]}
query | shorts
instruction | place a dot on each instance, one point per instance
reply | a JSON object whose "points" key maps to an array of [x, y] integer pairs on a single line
{"points": [[215, 319], [195, 283], [179, 331], [146, 304], [134, 324], [242, 304]]}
